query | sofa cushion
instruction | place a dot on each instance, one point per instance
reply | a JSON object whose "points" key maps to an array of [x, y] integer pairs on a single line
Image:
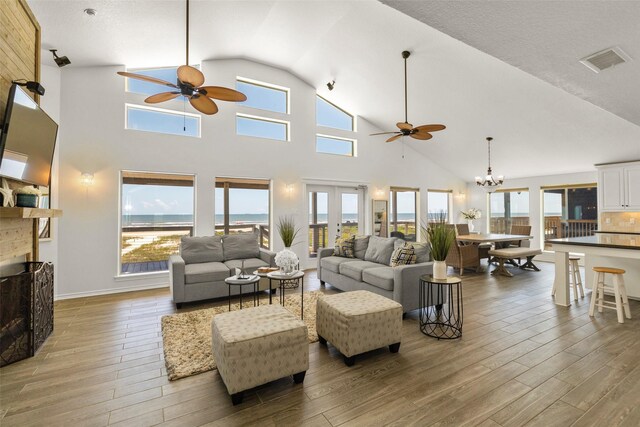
{"points": [[240, 246], [422, 251], [201, 249], [332, 263], [404, 255], [379, 249], [381, 277], [250, 265], [354, 269], [344, 247], [360, 246], [205, 272]]}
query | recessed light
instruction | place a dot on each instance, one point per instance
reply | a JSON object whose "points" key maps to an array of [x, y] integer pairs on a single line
{"points": [[90, 12]]}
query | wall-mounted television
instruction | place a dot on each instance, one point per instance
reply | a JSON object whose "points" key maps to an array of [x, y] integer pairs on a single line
{"points": [[27, 141]]}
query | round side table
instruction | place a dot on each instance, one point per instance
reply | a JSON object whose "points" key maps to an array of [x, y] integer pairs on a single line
{"points": [[441, 307], [288, 281], [242, 281]]}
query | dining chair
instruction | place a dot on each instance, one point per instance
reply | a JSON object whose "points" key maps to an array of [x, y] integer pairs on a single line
{"points": [[483, 248], [462, 255]]}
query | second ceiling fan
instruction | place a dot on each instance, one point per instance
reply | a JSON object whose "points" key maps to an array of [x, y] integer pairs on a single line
{"points": [[422, 132], [189, 84]]}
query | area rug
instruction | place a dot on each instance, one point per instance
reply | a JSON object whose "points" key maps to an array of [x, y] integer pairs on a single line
{"points": [[186, 337]]}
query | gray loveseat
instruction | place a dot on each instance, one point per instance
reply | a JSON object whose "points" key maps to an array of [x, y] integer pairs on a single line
{"points": [[370, 270], [199, 271]]}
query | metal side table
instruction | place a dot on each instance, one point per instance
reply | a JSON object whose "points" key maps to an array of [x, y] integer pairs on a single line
{"points": [[441, 307]]}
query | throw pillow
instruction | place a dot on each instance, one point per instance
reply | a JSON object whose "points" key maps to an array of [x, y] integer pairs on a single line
{"points": [[344, 247], [404, 255], [240, 246], [422, 252], [379, 250], [360, 246], [201, 249]]}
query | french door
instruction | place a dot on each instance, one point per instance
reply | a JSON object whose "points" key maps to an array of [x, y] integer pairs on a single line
{"points": [[333, 211]]}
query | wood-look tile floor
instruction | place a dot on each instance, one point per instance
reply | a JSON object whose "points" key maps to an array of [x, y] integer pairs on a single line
{"points": [[521, 361]]}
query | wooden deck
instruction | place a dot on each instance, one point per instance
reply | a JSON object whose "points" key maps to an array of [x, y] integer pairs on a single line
{"points": [[144, 267], [522, 360]]}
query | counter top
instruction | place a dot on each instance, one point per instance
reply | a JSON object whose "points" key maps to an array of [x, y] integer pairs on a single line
{"points": [[618, 232], [604, 240]]}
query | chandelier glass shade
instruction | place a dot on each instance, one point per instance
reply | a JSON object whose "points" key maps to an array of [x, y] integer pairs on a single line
{"points": [[489, 182]]}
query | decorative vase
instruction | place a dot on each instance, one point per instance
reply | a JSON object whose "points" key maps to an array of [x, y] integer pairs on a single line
{"points": [[470, 223], [439, 270], [27, 200]]}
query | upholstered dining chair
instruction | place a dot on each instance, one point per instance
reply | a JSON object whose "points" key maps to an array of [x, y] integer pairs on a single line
{"points": [[463, 256]]}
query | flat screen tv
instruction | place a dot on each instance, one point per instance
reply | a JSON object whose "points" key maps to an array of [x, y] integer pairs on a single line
{"points": [[27, 141]]}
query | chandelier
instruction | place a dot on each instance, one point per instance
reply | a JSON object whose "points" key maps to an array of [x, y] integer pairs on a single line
{"points": [[489, 182]]}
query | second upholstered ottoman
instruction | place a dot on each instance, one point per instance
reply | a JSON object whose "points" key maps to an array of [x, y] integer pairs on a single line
{"points": [[257, 345], [359, 321]]}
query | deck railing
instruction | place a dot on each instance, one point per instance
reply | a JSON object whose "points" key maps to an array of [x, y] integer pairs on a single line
{"points": [[555, 227], [502, 225], [261, 229]]}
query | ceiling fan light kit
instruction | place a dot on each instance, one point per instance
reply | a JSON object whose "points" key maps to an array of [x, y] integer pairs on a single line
{"points": [[489, 182], [406, 129], [189, 84]]}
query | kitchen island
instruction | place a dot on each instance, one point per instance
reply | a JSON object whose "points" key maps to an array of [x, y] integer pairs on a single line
{"points": [[603, 249]]}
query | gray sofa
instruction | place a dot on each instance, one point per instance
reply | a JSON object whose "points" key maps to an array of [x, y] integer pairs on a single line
{"points": [[198, 272], [370, 270]]}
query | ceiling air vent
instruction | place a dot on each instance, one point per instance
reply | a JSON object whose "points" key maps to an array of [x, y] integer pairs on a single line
{"points": [[605, 59]]}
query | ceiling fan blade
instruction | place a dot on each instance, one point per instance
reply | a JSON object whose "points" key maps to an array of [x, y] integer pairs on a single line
{"points": [[203, 104], [421, 135], [404, 125], [193, 76], [382, 133], [393, 138], [146, 78], [430, 128], [222, 93], [161, 97]]}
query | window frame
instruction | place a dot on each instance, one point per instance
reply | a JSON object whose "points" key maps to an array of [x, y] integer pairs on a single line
{"points": [[143, 69], [449, 202], [506, 190], [124, 276], [353, 116], [286, 124], [565, 187], [271, 86], [354, 145], [393, 207], [129, 105]]}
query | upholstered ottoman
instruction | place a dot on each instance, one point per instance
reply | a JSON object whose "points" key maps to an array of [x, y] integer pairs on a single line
{"points": [[257, 345], [359, 321]]}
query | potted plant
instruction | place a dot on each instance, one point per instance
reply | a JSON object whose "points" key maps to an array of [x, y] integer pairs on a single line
{"points": [[287, 230], [440, 237], [470, 215], [27, 197]]}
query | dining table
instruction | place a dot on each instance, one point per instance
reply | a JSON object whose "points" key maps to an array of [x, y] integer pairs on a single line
{"points": [[499, 240]]}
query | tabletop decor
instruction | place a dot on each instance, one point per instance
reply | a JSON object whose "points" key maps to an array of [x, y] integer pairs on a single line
{"points": [[6, 195], [287, 260], [441, 237], [470, 215], [27, 197]]}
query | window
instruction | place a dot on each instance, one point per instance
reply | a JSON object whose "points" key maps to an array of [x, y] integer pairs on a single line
{"points": [[260, 127], [156, 210], [570, 211], [318, 225], [242, 206], [438, 202], [169, 74], [508, 207], [329, 115], [334, 145], [403, 213], [150, 119], [264, 96]]}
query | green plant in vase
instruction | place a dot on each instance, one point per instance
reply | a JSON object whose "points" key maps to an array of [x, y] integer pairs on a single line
{"points": [[440, 236], [287, 230]]}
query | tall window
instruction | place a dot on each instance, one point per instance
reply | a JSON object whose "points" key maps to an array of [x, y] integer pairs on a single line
{"points": [[156, 210], [438, 202], [403, 214], [242, 206], [330, 116], [318, 225], [570, 211], [508, 207]]}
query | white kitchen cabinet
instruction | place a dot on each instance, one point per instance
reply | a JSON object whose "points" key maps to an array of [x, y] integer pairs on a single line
{"points": [[619, 187]]}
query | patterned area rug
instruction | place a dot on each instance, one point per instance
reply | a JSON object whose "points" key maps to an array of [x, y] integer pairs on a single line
{"points": [[186, 337]]}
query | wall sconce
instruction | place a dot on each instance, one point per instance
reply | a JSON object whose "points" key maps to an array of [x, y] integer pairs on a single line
{"points": [[461, 195], [379, 194], [288, 189], [86, 179]]}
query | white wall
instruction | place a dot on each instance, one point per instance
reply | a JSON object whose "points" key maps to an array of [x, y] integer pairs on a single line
{"points": [[477, 198], [93, 139]]}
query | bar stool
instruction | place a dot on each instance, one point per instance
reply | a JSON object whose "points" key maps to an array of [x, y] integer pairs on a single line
{"points": [[575, 279], [620, 293]]}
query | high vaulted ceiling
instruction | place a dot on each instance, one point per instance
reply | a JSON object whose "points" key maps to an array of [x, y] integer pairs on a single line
{"points": [[539, 128]]}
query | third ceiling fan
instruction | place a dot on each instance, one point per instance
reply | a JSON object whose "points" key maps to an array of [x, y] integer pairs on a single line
{"points": [[422, 132]]}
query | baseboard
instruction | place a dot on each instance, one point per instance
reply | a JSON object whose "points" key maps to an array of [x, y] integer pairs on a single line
{"points": [[110, 291]]}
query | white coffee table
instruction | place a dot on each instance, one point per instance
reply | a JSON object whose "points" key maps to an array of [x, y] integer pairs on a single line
{"points": [[242, 281]]}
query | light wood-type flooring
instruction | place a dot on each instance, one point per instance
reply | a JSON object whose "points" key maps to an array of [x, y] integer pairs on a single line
{"points": [[521, 361]]}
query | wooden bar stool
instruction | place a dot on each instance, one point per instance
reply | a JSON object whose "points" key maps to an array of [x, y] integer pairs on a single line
{"points": [[575, 279], [620, 293]]}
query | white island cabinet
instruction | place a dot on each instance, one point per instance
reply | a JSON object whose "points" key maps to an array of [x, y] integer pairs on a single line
{"points": [[619, 187]]}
